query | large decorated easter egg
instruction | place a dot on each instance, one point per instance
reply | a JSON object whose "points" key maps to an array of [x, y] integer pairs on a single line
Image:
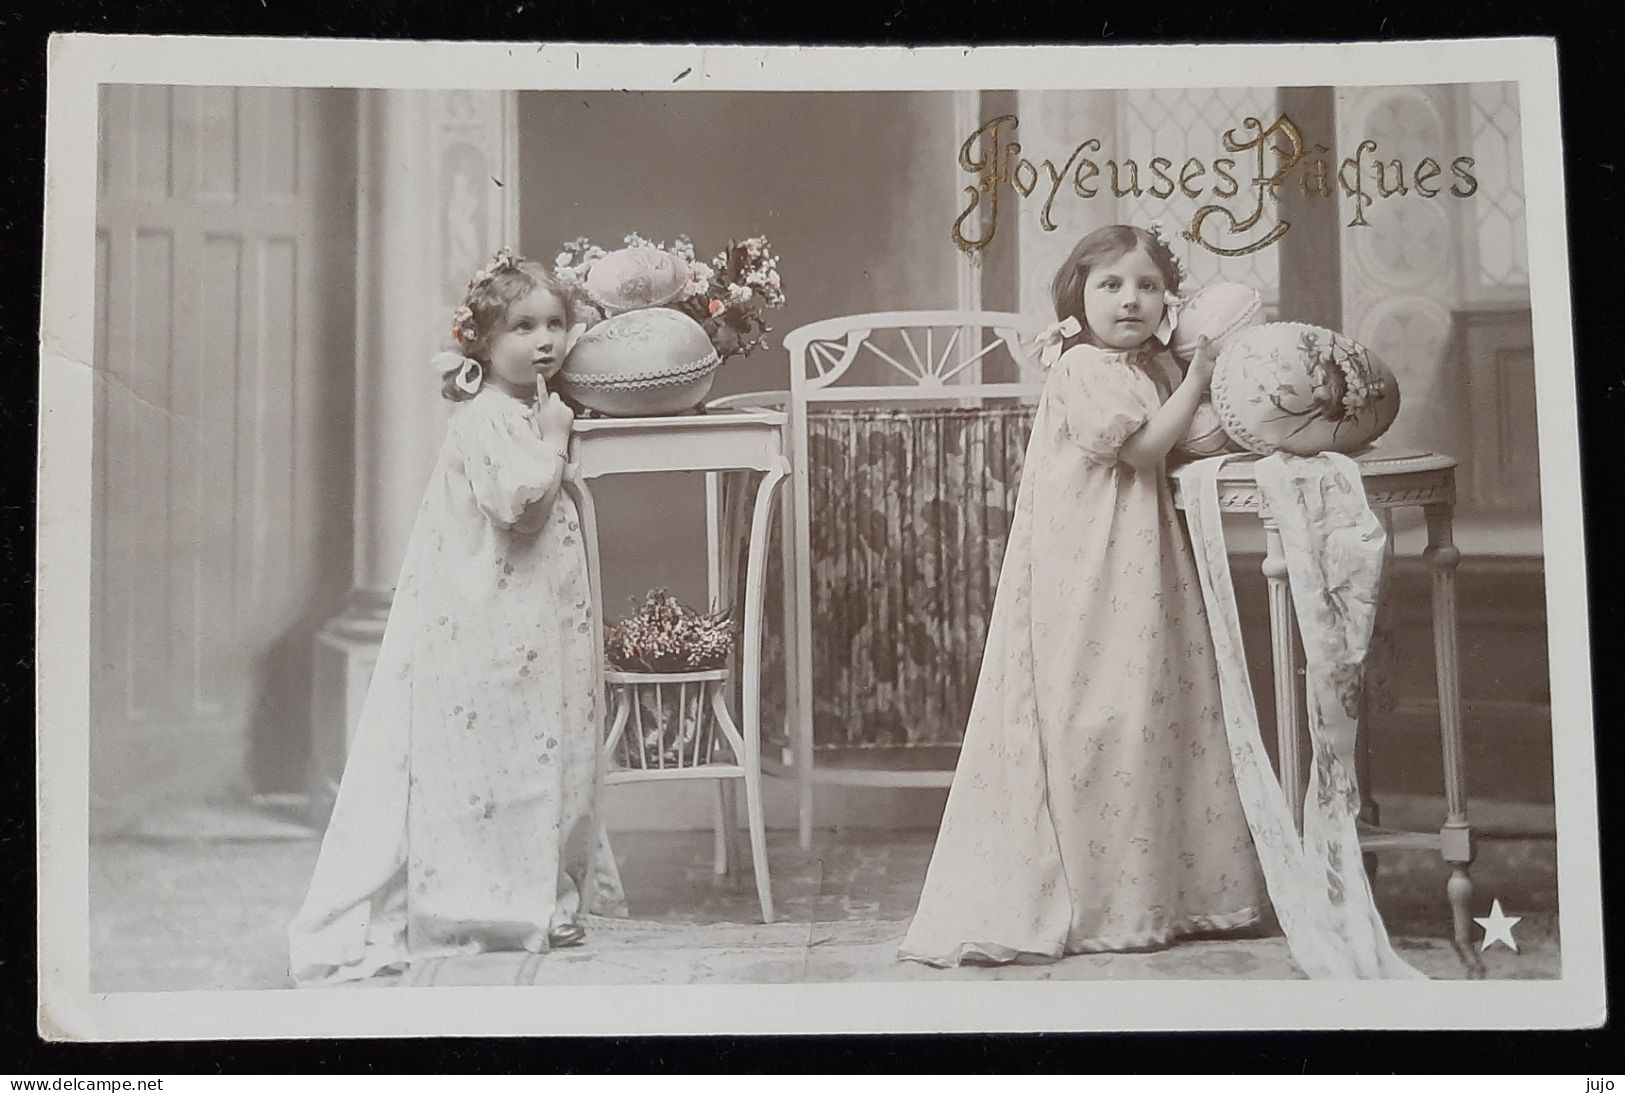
{"points": [[652, 361], [1292, 387], [1220, 311], [635, 277], [1206, 435]]}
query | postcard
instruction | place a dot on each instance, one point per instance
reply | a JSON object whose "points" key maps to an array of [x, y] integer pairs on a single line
{"points": [[586, 539]]}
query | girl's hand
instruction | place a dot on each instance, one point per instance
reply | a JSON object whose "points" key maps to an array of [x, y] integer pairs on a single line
{"points": [[553, 419], [1201, 370]]}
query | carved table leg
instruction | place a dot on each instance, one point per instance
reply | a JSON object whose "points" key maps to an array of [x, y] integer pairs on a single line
{"points": [[716, 543], [1456, 837], [1283, 642]]}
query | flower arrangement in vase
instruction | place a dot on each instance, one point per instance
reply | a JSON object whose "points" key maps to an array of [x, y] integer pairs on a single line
{"points": [[659, 322]]}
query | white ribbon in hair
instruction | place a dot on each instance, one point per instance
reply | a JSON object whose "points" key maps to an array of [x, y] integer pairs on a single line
{"points": [[469, 372], [1170, 317], [1050, 340]]}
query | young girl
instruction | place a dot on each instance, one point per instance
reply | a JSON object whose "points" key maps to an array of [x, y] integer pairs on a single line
{"points": [[465, 818], [1094, 807]]}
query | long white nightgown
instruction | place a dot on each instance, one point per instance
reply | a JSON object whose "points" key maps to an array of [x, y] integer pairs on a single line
{"points": [[466, 812], [1094, 806]]}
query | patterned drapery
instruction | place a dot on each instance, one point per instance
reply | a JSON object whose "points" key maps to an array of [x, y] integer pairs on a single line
{"points": [[910, 511], [1334, 547]]}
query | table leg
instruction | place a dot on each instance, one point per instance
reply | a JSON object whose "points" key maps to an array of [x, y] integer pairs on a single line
{"points": [[1456, 836], [803, 723], [787, 625], [725, 844], [717, 541], [719, 843], [751, 705], [1283, 642]]}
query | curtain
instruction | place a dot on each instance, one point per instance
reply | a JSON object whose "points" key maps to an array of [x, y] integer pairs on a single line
{"points": [[910, 513]]}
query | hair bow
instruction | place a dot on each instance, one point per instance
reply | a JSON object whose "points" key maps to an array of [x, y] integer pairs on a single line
{"points": [[469, 372], [1050, 340], [1171, 302]]}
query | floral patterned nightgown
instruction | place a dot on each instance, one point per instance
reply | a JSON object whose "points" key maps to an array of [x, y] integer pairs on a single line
{"points": [[466, 812], [1094, 806]]}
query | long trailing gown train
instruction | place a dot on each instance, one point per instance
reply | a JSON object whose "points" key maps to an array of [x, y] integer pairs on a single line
{"points": [[1094, 806], [465, 819]]}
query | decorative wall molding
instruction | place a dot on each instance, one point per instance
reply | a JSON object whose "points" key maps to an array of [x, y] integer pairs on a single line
{"points": [[438, 194], [1495, 350]]}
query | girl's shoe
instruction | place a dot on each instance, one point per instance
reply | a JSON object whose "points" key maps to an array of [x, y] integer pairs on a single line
{"points": [[565, 935]]}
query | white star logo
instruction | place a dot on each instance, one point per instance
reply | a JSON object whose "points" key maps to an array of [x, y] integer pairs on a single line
{"points": [[1498, 927]]}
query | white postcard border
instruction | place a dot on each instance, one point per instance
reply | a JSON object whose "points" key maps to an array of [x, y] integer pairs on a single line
{"points": [[79, 63]]}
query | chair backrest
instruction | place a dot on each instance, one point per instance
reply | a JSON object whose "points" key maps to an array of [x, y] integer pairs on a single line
{"points": [[974, 363], [889, 357], [907, 356]]}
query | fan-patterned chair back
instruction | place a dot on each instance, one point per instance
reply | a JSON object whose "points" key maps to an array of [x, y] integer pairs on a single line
{"points": [[906, 433]]}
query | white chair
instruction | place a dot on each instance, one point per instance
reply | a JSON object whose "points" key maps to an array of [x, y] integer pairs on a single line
{"points": [[899, 359]]}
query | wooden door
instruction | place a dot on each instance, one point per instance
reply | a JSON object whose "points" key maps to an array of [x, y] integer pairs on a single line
{"points": [[224, 342]]}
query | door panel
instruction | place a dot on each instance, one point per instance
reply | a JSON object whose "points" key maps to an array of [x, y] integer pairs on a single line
{"points": [[225, 231]]}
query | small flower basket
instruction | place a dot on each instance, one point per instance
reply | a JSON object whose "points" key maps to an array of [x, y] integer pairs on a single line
{"points": [[666, 720], [667, 667]]}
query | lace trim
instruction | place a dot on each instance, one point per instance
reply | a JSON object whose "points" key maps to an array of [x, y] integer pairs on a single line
{"points": [[1135, 358], [1219, 394], [673, 376], [1240, 321], [1151, 939]]}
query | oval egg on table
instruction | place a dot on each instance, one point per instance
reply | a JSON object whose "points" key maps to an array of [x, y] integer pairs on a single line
{"points": [[1205, 435], [635, 277], [1218, 312], [652, 361], [1302, 389]]}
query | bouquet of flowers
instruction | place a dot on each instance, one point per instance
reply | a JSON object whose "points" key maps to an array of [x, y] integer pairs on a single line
{"points": [[726, 296], [665, 636]]}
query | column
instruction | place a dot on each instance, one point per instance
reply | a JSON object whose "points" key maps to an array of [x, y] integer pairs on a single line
{"points": [[1310, 253], [436, 193]]}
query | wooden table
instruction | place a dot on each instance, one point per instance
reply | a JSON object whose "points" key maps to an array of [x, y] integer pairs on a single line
{"points": [[1422, 480], [717, 442]]}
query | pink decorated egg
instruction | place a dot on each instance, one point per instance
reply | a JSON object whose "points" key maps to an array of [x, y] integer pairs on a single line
{"points": [[1292, 387], [647, 362], [1206, 435], [635, 277], [1220, 311]]}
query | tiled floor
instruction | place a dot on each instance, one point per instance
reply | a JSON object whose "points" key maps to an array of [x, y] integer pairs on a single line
{"points": [[192, 914]]}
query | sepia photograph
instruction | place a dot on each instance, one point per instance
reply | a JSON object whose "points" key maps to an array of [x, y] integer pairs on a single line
{"points": [[675, 539]]}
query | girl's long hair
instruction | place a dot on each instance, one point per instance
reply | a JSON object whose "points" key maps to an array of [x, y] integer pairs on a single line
{"points": [[488, 302], [1105, 245]]}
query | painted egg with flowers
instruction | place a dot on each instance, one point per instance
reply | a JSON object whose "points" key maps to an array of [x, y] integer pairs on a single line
{"points": [[635, 277], [1302, 389], [655, 360]]}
